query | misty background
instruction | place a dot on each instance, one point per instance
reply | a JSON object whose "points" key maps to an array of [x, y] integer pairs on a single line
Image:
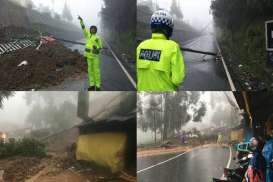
{"points": [[89, 10], [196, 13], [115, 19], [191, 18], [23, 113], [163, 116]]}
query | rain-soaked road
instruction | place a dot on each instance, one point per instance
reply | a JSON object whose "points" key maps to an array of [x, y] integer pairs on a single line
{"points": [[204, 73], [114, 76], [199, 165]]}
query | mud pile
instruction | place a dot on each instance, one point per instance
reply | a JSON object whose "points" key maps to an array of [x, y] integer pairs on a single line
{"points": [[47, 67], [56, 168], [19, 168]]}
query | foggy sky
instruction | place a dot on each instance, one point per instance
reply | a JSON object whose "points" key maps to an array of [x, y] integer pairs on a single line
{"points": [[88, 9], [219, 100], [15, 109], [196, 12]]}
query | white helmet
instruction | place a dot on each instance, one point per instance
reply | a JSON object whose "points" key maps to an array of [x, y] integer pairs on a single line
{"points": [[162, 21]]}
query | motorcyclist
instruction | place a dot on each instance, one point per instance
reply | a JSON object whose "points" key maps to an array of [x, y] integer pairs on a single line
{"points": [[268, 155], [92, 51], [160, 64], [257, 165]]}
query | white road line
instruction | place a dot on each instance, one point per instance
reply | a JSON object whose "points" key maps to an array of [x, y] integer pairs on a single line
{"points": [[163, 162], [230, 157], [231, 83], [172, 158], [122, 67]]}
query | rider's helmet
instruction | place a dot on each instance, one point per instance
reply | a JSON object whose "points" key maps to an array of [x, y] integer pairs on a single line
{"points": [[162, 22], [257, 143]]}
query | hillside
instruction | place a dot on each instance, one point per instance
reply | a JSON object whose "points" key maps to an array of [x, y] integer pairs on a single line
{"points": [[182, 31], [241, 33], [14, 15]]}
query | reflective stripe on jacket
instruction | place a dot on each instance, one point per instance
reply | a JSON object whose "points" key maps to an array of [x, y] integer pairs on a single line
{"points": [[91, 41], [160, 64]]}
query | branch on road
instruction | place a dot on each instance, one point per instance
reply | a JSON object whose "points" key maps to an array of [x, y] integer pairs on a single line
{"points": [[197, 51]]}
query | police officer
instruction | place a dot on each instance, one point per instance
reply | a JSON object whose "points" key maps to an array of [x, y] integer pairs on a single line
{"points": [[92, 51], [160, 64]]}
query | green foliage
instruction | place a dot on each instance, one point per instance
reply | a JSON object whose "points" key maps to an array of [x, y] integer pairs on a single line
{"points": [[166, 113], [242, 32], [234, 14], [118, 24], [24, 147], [4, 95], [31, 147]]}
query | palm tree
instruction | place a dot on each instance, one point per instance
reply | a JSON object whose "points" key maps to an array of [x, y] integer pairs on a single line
{"points": [[4, 95]]}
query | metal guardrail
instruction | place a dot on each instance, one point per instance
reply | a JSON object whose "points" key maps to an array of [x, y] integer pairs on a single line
{"points": [[16, 45]]}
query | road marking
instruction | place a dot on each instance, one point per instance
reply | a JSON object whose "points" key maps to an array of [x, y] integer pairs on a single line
{"points": [[231, 83], [121, 65], [172, 158], [230, 157], [163, 162]]}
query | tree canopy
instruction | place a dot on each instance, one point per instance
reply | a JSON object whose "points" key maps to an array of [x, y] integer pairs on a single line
{"points": [[234, 14], [166, 113]]}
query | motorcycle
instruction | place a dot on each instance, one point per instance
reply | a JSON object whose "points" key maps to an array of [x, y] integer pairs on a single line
{"points": [[237, 174]]}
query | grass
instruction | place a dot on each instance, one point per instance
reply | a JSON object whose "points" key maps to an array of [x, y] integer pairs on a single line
{"points": [[26, 147], [246, 46]]}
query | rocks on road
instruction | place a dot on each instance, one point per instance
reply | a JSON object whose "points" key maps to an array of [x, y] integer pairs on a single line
{"points": [[49, 66]]}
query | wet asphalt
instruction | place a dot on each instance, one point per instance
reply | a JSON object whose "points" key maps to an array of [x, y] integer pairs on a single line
{"points": [[112, 76], [199, 165], [203, 73]]}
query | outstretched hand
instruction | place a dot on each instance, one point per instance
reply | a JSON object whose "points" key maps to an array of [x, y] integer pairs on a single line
{"points": [[80, 18]]}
